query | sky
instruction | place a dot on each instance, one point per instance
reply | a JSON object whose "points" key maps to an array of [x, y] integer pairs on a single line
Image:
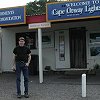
{"points": [[13, 3]]}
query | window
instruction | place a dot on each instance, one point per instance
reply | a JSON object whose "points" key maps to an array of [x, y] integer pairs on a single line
{"points": [[95, 44], [48, 40], [61, 46], [30, 38]]}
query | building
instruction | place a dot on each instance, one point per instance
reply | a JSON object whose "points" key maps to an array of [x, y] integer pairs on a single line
{"points": [[69, 44]]}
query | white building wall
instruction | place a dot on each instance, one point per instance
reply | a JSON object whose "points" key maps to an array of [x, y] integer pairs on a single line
{"points": [[8, 43], [49, 58], [91, 27]]}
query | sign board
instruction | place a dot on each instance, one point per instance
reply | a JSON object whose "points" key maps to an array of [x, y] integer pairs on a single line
{"points": [[39, 25], [12, 16], [73, 10]]}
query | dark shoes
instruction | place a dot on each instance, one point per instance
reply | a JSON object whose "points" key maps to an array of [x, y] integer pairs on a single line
{"points": [[26, 95], [18, 95]]}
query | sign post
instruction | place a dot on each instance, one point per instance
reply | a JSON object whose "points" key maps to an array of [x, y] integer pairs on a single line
{"points": [[39, 26], [40, 55]]}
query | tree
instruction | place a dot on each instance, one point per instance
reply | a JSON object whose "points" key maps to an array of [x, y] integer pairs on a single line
{"points": [[37, 7]]}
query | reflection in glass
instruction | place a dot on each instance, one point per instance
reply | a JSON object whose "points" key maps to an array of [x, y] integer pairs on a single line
{"points": [[95, 44], [61, 47]]}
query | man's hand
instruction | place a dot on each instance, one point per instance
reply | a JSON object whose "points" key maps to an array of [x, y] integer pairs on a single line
{"points": [[14, 68], [29, 59], [27, 64]]}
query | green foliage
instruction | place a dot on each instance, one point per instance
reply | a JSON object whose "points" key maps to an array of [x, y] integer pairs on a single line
{"points": [[37, 8]]}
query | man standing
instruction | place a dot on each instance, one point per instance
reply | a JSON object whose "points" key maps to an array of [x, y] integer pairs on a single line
{"points": [[22, 58]]}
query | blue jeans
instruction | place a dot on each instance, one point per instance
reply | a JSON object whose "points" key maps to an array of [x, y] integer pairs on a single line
{"points": [[20, 66]]}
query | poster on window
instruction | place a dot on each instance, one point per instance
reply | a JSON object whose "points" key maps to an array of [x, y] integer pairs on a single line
{"points": [[48, 40], [95, 44], [61, 47], [30, 39]]}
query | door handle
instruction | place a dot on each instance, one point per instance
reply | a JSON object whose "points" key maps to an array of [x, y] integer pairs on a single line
{"points": [[56, 49]]}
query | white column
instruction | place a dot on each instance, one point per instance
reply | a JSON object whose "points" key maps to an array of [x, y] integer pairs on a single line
{"points": [[0, 55], [22, 84], [40, 55], [0, 50], [83, 85]]}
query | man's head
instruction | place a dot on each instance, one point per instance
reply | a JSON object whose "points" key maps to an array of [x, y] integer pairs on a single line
{"points": [[21, 41]]}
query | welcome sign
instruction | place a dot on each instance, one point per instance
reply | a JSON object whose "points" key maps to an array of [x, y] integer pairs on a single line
{"points": [[73, 10], [12, 16]]}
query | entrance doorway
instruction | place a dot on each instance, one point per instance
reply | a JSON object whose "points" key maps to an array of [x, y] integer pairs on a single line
{"points": [[77, 39], [62, 49]]}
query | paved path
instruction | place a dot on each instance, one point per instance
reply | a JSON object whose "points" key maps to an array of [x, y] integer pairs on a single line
{"points": [[55, 87]]}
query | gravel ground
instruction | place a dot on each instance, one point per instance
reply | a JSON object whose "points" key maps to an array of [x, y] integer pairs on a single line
{"points": [[54, 87]]}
